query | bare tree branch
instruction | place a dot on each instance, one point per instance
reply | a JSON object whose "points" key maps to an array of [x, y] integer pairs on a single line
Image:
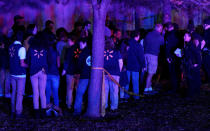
{"points": [[105, 4], [94, 3]]}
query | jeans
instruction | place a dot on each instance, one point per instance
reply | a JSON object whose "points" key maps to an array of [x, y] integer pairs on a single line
{"points": [[38, 82], [114, 89], [18, 88], [82, 87], [4, 82], [52, 87], [70, 88], [135, 82]]}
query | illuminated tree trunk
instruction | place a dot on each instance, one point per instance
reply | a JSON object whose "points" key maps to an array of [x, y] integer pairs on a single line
{"points": [[166, 11], [94, 92]]}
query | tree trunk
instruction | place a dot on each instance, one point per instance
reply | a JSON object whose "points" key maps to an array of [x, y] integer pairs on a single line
{"points": [[166, 11], [94, 92]]}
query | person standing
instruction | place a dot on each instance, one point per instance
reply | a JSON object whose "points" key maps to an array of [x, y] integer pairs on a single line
{"points": [[37, 60], [153, 41], [135, 63], [206, 49], [53, 79], [113, 63], [171, 44], [192, 64], [84, 63], [69, 70], [17, 56]]}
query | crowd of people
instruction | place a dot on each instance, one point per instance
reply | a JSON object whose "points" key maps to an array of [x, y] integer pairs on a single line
{"points": [[54, 64]]}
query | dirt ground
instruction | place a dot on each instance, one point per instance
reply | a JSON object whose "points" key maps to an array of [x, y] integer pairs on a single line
{"points": [[159, 112]]}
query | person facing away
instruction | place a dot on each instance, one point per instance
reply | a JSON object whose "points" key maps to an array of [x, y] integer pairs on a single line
{"points": [[153, 41], [113, 63], [17, 56], [135, 63], [53, 79], [38, 67]]}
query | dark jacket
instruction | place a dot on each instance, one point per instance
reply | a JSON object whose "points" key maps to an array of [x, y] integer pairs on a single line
{"points": [[152, 43], [84, 63], [15, 67], [171, 41], [136, 60], [37, 60]]}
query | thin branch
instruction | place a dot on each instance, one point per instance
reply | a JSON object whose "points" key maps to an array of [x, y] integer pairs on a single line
{"points": [[94, 3], [105, 3]]}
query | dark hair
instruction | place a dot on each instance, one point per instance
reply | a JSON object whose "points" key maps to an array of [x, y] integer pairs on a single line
{"points": [[109, 44], [83, 40], [86, 23], [116, 30], [19, 36], [169, 24], [61, 32], [48, 22], [38, 41], [135, 34], [30, 29], [72, 37]]}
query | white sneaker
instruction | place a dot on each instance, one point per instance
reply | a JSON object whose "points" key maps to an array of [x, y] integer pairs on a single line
{"points": [[146, 89], [150, 88]]}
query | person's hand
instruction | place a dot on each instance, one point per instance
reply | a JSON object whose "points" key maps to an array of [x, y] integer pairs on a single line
{"points": [[195, 65], [168, 59], [63, 72]]}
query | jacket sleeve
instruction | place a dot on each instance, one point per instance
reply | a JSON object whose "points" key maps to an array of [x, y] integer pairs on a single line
{"points": [[66, 59], [140, 55]]}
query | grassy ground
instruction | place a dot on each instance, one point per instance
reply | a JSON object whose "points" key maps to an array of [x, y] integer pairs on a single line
{"points": [[160, 112]]}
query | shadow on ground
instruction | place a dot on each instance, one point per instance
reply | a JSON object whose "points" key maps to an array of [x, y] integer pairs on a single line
{"points": [[160, 112]]}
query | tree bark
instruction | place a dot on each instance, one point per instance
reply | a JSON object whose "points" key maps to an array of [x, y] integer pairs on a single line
{"points": [[166, 11], [94, 91]]}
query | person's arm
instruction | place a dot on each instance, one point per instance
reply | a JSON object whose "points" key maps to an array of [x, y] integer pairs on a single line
{"points": [[203, 43], [66, 61], [22, 56], [120, 64], [58, 62]]}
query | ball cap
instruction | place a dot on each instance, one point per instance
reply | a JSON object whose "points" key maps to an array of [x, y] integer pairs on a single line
{"points": [[207, 21], [18, 17]]}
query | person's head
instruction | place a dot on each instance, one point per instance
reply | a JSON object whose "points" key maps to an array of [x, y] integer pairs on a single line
{"points": [[31, 29], [71, 40], [191, 27], [159, 28], [78, 26], [19, 36], [187, 37], [109, 43], [61, 34], [169, 26], [135, 35], [117, 34], [206, 23], [18, 20], [82, 43], [87, 25], [49, 25], [196, 39]]}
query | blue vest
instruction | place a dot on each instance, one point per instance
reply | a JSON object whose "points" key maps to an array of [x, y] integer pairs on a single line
{"points": [[15, 68], [38, 60]]}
